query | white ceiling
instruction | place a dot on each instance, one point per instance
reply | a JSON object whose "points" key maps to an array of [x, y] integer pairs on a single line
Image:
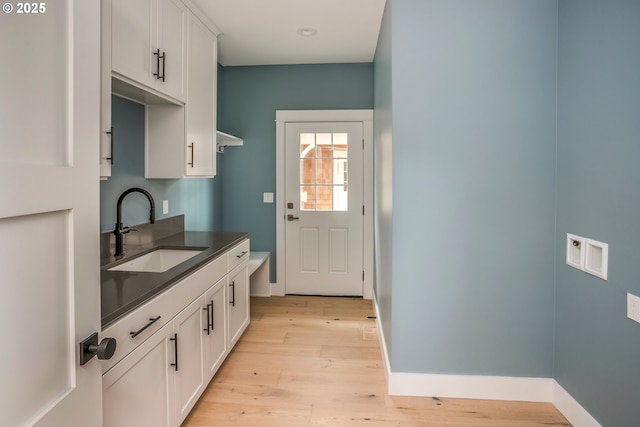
{"points": [[264, 32]]}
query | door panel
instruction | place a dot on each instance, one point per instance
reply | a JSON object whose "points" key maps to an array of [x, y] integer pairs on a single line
{"points": [[216, 340], [309, 249], [189, 326], [53, 373], [133, 32], [172, 34], [324, 196], [238, 306], [338, 250], [138, 390], [49, 215]]}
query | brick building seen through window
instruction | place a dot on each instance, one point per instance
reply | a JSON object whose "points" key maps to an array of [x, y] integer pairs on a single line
{"points": [[324, 171]]}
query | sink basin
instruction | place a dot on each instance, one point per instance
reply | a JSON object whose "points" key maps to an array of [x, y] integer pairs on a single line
{"points": [[157, 261]]}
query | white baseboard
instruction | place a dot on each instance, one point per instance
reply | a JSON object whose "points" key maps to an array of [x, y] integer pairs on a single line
{"points": [[471, 386], [570, 408], [264, 292], [277, 290], [482, 387]]}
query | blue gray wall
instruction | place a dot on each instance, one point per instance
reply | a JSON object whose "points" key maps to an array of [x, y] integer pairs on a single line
{"points": [[597, 356], [383, 179], [197, 198], [473, 176], [250, 97]]}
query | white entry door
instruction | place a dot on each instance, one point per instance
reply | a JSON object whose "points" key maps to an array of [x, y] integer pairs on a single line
{"points": [[49, 212], [324, 208]]}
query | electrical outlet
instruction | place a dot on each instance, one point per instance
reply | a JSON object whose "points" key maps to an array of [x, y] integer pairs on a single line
{"points": [[575, 251], [633, 307]]}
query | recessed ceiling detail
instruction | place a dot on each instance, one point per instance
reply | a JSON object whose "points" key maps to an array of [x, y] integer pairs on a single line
{"points": [[268, 32], [307, 32]]}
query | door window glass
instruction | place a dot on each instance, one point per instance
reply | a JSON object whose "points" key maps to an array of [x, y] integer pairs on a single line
{"points": [[324, 172]]}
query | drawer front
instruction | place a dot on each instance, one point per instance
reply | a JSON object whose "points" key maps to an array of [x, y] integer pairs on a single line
{"points": [[142, 321], [238, 254]]}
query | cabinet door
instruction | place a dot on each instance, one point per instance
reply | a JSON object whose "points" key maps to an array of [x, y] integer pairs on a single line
{"points": [[138, 391], [188, 327], [201, 113], [238, 302], [216, 336], [106, 132], [133, 39], [172, 36]]}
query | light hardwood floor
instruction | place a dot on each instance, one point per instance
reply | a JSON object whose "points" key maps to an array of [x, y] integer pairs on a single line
{"points": [[315, 361]]}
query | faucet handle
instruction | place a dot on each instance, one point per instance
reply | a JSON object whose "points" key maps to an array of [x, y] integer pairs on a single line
{"points": [[125, 230]]}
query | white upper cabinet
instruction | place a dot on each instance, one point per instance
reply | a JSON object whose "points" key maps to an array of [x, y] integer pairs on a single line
{"points": [[181, 140], [164, 55], [201, 106], [149, 45]]}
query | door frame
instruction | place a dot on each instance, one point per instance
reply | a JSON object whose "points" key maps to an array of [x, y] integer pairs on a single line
{"points": [[309, 116]]}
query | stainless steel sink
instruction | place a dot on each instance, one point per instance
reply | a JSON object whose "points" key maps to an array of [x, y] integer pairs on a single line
{"points": [[157, 261]]}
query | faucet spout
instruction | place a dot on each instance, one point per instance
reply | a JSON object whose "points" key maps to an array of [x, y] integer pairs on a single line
{"points": [[119, 231]]}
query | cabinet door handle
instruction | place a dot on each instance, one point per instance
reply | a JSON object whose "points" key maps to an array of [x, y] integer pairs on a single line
{"points": [[175, 349], [164, 61], [192, 153], [213, 328], [139, 331], [208, 316], [233, 294], [157, 55], [110, 133], [243, 253], [158, 58]]}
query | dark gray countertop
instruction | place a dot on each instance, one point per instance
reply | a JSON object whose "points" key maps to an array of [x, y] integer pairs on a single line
{"points": [[123, 291]]}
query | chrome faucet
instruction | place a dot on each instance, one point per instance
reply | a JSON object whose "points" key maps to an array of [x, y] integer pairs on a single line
{"points": [[120, 230]]}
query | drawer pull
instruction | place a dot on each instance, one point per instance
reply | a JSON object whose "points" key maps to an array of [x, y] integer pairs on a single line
{"points": [[242, 254], [151, 322]]}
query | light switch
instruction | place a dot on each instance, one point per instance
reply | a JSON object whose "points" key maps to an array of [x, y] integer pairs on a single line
{"points": [[267, 197], [165, 207], [633, 307]]}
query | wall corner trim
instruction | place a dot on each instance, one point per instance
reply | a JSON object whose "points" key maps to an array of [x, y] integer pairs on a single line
{"points": [[482, 387]]}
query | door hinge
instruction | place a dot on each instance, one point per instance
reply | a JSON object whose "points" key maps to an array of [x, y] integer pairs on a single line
{"points": [[362, 210], [363, 143], [363, 275]]}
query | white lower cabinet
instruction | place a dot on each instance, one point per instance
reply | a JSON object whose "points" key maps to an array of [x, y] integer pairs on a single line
{"points": [[138, 391], [188, 342], [238, 301], [216, 347], [157, 383]]}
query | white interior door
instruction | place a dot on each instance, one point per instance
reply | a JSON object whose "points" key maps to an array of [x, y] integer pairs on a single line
{"points": [[324, 208], [49, 214]]}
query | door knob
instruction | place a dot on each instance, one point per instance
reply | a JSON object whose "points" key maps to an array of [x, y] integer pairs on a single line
{"points": [[292, 218], [90, 347]]}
